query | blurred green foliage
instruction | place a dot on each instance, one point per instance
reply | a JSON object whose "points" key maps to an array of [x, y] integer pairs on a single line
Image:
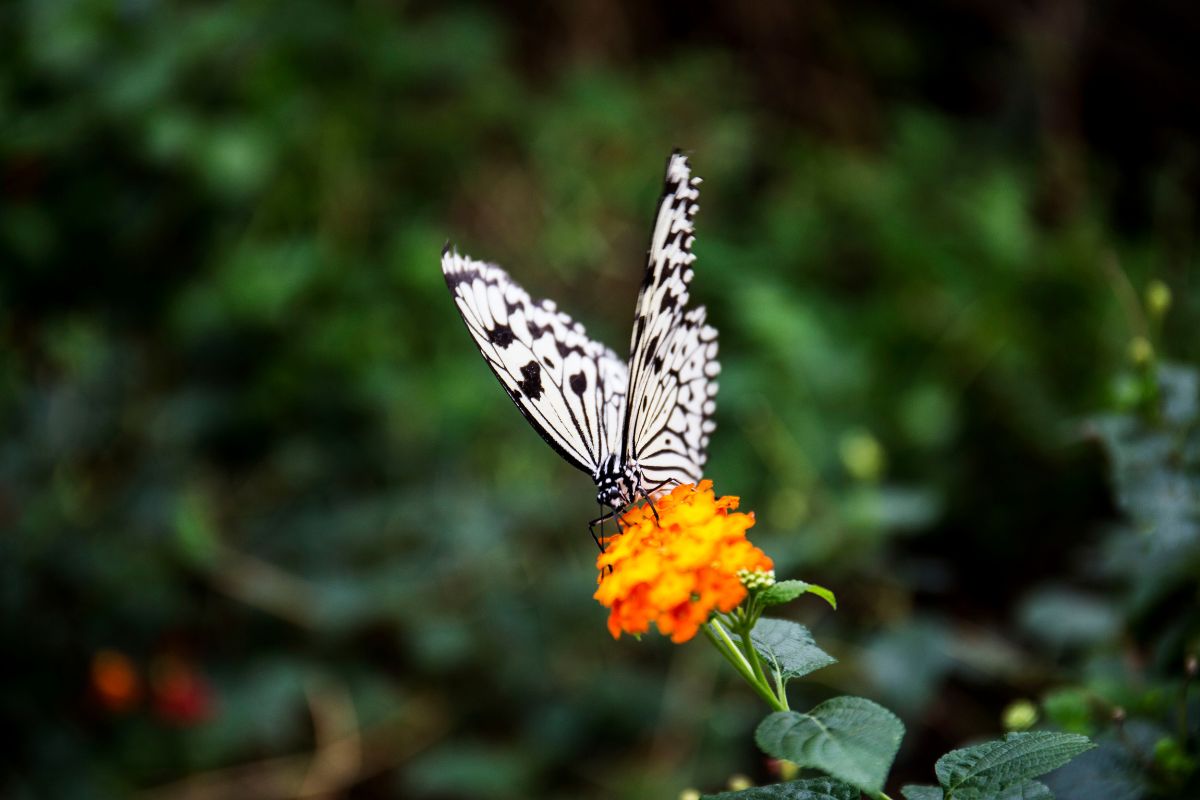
{"points": [[248, 445]]}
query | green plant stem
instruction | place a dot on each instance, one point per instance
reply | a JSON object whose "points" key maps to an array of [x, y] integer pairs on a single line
{"points": [[742, 623], [720, 638], [756, 663]]}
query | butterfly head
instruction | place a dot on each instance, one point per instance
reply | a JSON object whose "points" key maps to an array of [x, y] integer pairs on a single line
{"points": [[615, 485]]}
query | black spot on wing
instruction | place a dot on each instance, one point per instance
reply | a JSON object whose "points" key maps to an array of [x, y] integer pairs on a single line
{"points": [[565, 350], [578, 383], [669, 302], [501, 335], [648, 278], [456, 278], [531, 384], [658, 364]]}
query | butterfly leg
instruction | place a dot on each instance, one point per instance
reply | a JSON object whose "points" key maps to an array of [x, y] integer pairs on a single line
{"points": [[600, 520], [645, 495], [592, 530], [599, 539]]}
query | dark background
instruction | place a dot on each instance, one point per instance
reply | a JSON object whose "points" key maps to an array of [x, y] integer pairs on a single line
{"points": [[260, 498]]}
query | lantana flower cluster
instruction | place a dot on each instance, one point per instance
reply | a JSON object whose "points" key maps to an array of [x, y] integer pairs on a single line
{"points": [[678, 558]]}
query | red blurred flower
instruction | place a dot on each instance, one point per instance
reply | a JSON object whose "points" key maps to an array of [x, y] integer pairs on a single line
{"points": [[182, 695]]}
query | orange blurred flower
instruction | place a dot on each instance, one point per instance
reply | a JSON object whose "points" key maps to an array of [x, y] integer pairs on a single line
{"points": [[676, 570], [115, 680]]}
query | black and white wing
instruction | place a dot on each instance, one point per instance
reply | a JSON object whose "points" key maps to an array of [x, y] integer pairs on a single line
{"points": [[672, 354], [569, 387]]}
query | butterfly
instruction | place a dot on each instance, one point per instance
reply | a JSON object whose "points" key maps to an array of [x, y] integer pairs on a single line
{"points": [[633, 426]]}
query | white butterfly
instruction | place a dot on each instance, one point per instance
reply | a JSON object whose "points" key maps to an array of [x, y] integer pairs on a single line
{"points": [[632, 428]]}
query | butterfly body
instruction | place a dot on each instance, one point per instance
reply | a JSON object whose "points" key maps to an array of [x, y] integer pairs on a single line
{"points": [[618, 483], [633, 426]]}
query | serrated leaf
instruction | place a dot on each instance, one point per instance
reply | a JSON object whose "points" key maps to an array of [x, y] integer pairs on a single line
{"points": [[850, 738], [998, 765], [1029, 790], [789, 646], [806, 789], [787, 591], [913, 792]]}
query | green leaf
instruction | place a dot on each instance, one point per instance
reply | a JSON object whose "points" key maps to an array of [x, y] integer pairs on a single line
{"points": [[1067, 618], [1029, 790], [1069, 709], [806, 789], [789, 646], [912, 792], [990, 768], [850, 738], [787, 591]]}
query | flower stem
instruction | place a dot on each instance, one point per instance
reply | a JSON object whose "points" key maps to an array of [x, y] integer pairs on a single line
{"points": [[742, 621], [756, 662], [728, 648], [720, 638]]}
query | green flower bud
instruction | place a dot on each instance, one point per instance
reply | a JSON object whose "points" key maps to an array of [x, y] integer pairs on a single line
{"points": [[1141, 352], [738, 783], [758, 579], [862, 455], [1158, 298], [1020, 715]]}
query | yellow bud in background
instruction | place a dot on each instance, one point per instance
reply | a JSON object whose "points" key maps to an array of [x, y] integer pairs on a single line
{"points": [[1020, 715], [788, 770], [862, 455], [739, 782], [1158, 298], [1141, 352], [689, 794]]}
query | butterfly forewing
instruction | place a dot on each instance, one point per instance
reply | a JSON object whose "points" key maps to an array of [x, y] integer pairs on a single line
{"points": [[672, 361], [633, 428], [569, 387]]}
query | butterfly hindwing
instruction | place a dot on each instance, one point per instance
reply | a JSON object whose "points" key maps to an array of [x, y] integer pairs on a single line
{"points": [[672, 361], [570, 388]]}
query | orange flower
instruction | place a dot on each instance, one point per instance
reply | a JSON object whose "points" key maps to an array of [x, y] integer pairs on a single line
{"points": [[115, 680], [676, 570]]}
